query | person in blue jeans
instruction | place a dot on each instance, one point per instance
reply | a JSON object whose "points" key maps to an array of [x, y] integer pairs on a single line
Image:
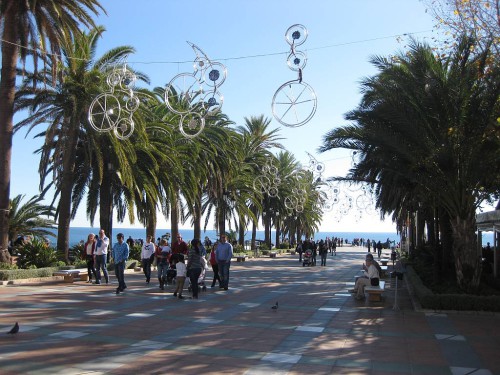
{"points": [[120, 255], [101, 253], [147, 256], [223, 254]]}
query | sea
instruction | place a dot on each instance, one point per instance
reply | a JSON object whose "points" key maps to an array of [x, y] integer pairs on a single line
{"points": [[77, 234]]}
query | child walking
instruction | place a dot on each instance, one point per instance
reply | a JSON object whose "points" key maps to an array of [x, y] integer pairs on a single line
{"points": [[180, 267]]}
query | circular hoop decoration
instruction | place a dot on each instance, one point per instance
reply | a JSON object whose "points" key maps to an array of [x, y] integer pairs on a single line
{"points": [[113, 79], [363, 201], [320, 167], [296, 35], [216, 74], [191, 124], [294, 104], [261, 183], [104, 112], [127, 81], [132, 103], [182, 93], [124, 128], [273, 191], [290, 203], [213, 102], [296, 60]]}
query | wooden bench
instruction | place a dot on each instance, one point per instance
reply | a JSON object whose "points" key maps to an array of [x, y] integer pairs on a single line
{"points": [[375, 292], [273, 254], [71, 275], [241, 258]]}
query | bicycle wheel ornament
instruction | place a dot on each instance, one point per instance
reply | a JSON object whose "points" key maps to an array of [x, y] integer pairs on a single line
{"points": [[104, 112], [297, 61], [124, 128], [294, 104], [182, 93], [296, 35], [191, 124]]}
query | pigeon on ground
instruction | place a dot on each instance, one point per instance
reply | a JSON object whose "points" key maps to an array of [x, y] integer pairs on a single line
{"points": [[275, 307], [14, 329]]}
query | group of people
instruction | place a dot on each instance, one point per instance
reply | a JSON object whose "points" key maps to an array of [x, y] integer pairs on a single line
{"points": [[321, 247], [168, 257]]}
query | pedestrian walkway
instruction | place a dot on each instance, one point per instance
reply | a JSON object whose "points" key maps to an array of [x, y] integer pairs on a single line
{"points": [[318, 328]]}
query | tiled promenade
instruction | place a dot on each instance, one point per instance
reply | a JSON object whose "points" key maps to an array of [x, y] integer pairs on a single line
{"points": [[318, 328]]}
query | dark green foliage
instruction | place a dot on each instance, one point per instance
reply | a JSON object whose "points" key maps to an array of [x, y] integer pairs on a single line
{"points": [[36, 254], [27, 274], [135, 252]]}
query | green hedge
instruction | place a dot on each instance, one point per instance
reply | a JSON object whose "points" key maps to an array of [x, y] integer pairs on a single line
{"points": [[461, 302], [27, 273]]}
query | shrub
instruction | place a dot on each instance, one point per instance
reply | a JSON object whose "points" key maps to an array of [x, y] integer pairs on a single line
{"points": [[76, 252], [284, 245], [8, 266], [36, 254], [135, 252], [27, 273], [238, 249]]}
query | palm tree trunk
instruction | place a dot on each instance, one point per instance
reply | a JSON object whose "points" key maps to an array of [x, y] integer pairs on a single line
{"points": [[106, 205], [467, 259], [7, 94], [66, 188], [197, 215], [241, 230], [174, 216]]}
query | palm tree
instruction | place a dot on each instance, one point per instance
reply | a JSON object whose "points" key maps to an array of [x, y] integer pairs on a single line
{"points": [[36, 24], [69, 137], [428, 125], [28, 219]]}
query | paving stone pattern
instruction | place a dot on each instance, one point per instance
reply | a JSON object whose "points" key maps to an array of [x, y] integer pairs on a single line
{"points": [[318, 327]]}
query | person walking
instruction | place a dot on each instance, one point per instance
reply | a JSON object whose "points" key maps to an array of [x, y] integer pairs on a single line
{"points": [[120, 255], [162, 261], [323, 252], [180, 278], [101, 253], [194, 266], [215, 266], [379, 249], [224, 255], [147, 255]]}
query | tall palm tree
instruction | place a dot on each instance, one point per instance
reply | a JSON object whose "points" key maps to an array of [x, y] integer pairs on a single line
{"points": [[429, 125], [36, 24], [69, 137]]}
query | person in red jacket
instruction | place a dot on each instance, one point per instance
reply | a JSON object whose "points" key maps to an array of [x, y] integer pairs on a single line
{"points": [[179, 246], [89, 255]]}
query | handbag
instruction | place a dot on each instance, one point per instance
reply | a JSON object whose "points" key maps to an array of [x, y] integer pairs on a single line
{"points": [[374, 281]]}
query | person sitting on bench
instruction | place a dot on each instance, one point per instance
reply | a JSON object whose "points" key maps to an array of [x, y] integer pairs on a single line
{"points": [[371, 277]]}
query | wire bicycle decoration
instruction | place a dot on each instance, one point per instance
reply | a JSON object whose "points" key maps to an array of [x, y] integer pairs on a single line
{"points": [[295, 102], [195, 96], [106, 113]]}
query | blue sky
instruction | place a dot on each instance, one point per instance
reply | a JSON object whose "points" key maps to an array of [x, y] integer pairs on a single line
{"points": [[343, 35]]}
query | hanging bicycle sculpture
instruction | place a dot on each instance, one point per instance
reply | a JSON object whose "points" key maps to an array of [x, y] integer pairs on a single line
{"points": [[195, 96], [268, 182], [106, 113], [294, 103]]}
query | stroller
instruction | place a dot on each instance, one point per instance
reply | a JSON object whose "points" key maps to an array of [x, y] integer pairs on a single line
{"points": [[307, 259], [201, 278]]}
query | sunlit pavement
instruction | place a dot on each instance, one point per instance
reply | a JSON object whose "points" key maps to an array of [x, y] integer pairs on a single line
{"points": [[318, 327]]}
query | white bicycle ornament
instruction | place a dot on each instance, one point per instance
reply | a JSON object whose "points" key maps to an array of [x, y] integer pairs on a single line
{"points": [[295, 102], [106, 113], [195, 96]]}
